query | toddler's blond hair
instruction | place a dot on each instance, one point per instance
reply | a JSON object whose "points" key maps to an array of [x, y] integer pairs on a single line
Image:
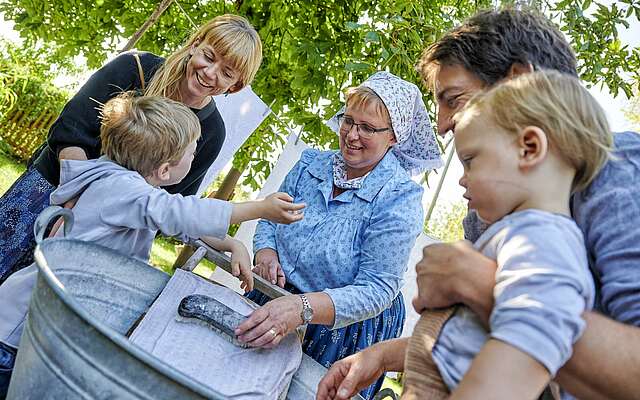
{"points": [[142, 132], [575, 124]]}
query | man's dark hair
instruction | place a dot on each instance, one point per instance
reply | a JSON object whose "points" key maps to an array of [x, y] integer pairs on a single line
{"points": [[490, 42]]}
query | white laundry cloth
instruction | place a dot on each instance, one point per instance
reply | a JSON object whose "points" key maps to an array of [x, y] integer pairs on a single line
{"points": [[198, 351]]}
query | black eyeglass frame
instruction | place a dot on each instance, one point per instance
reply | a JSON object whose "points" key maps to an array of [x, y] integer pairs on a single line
{"points": [[341, 117]]}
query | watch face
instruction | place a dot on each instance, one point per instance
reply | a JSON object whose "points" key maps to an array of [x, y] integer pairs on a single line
{"points": [[307, 314]]}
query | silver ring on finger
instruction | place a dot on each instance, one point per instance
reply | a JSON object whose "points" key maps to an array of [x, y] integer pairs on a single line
{"points": [[273, 332]]}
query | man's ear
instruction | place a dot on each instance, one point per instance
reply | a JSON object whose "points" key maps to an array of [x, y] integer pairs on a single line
{"points": [[533, 147], [517, 69]]}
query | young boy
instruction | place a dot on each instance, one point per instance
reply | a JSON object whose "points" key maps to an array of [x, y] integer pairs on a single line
{"points": [[147, 142], [525, 146]]}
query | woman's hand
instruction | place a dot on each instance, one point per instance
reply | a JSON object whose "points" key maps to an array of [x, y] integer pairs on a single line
{"points": [[241, 265], [268, 325], [268, 266]]}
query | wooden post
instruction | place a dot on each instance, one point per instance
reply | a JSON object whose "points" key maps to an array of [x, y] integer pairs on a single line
{"points": [[164, 4], [225, 192]]}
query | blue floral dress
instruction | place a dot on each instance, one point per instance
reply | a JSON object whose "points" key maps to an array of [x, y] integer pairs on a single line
{"points": [[354, 247]]}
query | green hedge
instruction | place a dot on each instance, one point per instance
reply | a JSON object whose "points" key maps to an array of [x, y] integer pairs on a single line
{"points": [[29, 102]]}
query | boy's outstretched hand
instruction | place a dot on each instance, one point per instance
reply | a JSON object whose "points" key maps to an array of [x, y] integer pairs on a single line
{"points": [[279, 207]]}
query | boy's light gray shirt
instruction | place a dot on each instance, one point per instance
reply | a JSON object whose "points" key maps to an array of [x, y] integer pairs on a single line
{"points": [[117, 209], [120, 210], [543, 285]]}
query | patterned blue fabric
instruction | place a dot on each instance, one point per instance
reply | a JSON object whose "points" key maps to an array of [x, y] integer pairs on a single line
{"points": [[327, 346], [19, 208], [7, 359], [354, 247], [608, 213]]}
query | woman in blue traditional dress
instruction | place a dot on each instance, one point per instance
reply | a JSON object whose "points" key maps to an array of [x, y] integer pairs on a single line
{"points": [[344, 262]]}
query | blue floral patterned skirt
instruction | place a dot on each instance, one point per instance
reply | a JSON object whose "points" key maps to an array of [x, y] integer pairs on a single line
{"points": [[19, 207], [327, 346]]}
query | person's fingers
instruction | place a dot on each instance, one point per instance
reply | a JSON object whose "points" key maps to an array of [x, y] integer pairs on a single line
{"points": [[277, 338], [281, 279], [256, 317], [284, 196], [260, 270], [288, 218], [328, 384], [418, 305], [55, 227], [235, 268], [293, 206], [349, 385], [273, 272], [261, 335], [69, 204], [247, 278]]}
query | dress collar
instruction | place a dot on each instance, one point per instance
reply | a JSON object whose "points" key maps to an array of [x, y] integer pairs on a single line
{"points": [[322, 169]]}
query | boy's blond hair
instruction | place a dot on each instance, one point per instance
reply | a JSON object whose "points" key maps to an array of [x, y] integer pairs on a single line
{"points": [[231, 36], [141, 133], [362, 96], [575, 124]]}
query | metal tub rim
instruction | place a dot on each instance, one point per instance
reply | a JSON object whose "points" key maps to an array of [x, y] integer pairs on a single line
{"points": [[118, 339]]}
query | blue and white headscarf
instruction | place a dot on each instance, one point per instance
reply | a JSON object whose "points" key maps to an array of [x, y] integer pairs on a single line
{"points": [[416, 147]]}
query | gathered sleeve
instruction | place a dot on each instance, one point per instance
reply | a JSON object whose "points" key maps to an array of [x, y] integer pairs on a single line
{"points": [[172, 214], [387, 241], [543, 286], [609, 219], [607, 212]]}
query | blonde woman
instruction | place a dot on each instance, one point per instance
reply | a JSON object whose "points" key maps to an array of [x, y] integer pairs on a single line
{"points": [[223, 56]]}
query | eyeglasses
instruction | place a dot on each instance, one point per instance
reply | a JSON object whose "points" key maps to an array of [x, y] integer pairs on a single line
{"points": [[364, 130]]}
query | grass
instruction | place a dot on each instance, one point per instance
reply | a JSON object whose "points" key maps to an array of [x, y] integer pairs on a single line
{"points": [[164, 252], [10, 170], [393, 384]]}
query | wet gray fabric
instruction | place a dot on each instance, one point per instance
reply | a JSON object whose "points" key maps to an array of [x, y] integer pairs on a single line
{"points": [[196, 350]]}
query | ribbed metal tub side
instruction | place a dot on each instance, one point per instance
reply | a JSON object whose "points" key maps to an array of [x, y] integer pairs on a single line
{"points": [[73, 345]]}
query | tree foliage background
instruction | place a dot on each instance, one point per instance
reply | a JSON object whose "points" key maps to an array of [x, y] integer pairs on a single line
{"points": [[313, 49]]}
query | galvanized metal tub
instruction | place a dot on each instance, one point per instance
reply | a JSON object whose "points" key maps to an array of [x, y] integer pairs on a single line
{"points": [[74, 346]]}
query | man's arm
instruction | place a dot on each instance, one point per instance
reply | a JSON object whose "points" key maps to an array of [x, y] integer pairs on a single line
{"points": [[527, 377], [605, 361], [348, 376]]}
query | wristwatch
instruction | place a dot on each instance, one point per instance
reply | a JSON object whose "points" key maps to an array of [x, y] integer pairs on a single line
{"points": [[307, 311]]}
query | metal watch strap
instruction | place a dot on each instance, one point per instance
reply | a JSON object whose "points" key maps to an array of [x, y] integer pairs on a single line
{"points": [[306, 309]]}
